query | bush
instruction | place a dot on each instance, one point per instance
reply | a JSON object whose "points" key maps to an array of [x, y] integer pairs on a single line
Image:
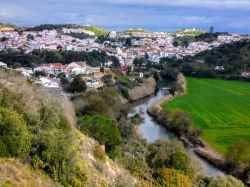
{"points": [[179, 161], [159, 153], [179, 121], [172, 178], [102, 129], [77, 85], [15, 138]]}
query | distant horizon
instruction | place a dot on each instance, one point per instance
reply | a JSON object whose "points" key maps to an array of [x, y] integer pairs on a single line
{"points": [[120, 29], [157, 15]]}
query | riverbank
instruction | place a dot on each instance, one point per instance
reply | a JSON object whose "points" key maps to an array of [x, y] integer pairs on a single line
{"points": [[146, 89], [199, 147]]}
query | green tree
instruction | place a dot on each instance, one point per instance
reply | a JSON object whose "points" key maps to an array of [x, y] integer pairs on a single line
{"points": [[102, 129], [77, 85], [15, 137]]}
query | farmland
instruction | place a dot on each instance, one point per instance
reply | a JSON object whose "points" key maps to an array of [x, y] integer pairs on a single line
{"points": [[221, 108]]}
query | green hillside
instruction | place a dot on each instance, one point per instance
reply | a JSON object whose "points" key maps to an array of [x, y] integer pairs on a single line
{"points": [[191, 32], [7, 27], [220, 107], [136, 30], [97, 30]]}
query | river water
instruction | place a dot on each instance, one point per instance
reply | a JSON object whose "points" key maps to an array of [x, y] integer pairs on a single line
{"points": [[152, 131]]}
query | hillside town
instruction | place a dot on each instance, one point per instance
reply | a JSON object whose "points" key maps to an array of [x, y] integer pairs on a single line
{"points": [[154, 45]]}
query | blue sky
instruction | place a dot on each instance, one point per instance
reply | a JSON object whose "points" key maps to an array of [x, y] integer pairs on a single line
{"points": [[156, 15]]}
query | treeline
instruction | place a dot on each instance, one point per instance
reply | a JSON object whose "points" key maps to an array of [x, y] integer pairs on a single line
{"points": [[38, 57], [53, 27], [205, 37], [234, 57], [80, 36]]}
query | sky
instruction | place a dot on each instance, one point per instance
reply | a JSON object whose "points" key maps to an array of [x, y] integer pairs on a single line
{"points": [[156, 15]]}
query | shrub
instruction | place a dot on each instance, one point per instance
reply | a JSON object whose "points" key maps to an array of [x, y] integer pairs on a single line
{"points": [[14, 134], [102, 129], [172, 178], [159, 153], [179, 161]]}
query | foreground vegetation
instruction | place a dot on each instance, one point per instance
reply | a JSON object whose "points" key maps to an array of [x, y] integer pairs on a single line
{"points": [[219, 107]]}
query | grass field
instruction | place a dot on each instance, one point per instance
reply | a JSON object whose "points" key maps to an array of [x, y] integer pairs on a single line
{"points": [[221, 108]]}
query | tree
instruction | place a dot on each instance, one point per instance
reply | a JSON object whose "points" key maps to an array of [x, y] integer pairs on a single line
{"points": [[128, 42], [102, 69], [77, 85], [3, 39], [179, 121], [159, 153], [236, 152], [30, 37], [102, 129], [15, 137]]}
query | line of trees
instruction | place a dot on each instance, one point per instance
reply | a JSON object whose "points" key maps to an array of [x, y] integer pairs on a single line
{"points": [[38, 57]]}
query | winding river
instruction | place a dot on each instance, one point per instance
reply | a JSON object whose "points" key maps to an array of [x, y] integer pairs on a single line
{"points": [[152, 131]]}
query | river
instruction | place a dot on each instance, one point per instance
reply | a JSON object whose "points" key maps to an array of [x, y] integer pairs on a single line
{"points": [[152, 131]]}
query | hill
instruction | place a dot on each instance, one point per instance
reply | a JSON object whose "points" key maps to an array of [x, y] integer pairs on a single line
{"points": [[191, 32], [44, 134], [234, 57], [136, 30], [219, 107], [97, 30], [7, 27]]}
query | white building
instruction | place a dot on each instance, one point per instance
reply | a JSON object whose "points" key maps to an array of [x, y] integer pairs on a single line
{"points": [[3, 65]]}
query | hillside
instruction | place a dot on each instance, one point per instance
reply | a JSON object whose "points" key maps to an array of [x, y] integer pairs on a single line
{"points": [[15, 173], [97, 30], [7, 27], [221, 108], [191, 32], [136, 30], [234, 57], [48, 140]]}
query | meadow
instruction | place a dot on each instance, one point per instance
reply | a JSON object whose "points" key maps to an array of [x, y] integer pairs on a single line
{"points": [[221, 108]]}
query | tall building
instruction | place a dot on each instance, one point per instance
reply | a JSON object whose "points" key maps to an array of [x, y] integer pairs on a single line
{"points": [[211, 30]]}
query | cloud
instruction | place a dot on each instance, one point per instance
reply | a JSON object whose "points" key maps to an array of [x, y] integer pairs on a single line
{"points": [[159, 15], [231, 4]]}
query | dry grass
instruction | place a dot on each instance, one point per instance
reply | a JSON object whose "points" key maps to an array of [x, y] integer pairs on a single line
{"points": [[15, 173]]}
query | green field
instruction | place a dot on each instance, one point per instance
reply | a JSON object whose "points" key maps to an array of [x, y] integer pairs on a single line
{"points": [[221, 108]]}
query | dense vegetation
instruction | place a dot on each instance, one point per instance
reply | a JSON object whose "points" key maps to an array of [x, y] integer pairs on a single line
{"points": [[234, 57], [38, 57], [37, 131], [204, 37], [80, 36], [219, 107], [52, 27], [102, 129]]}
